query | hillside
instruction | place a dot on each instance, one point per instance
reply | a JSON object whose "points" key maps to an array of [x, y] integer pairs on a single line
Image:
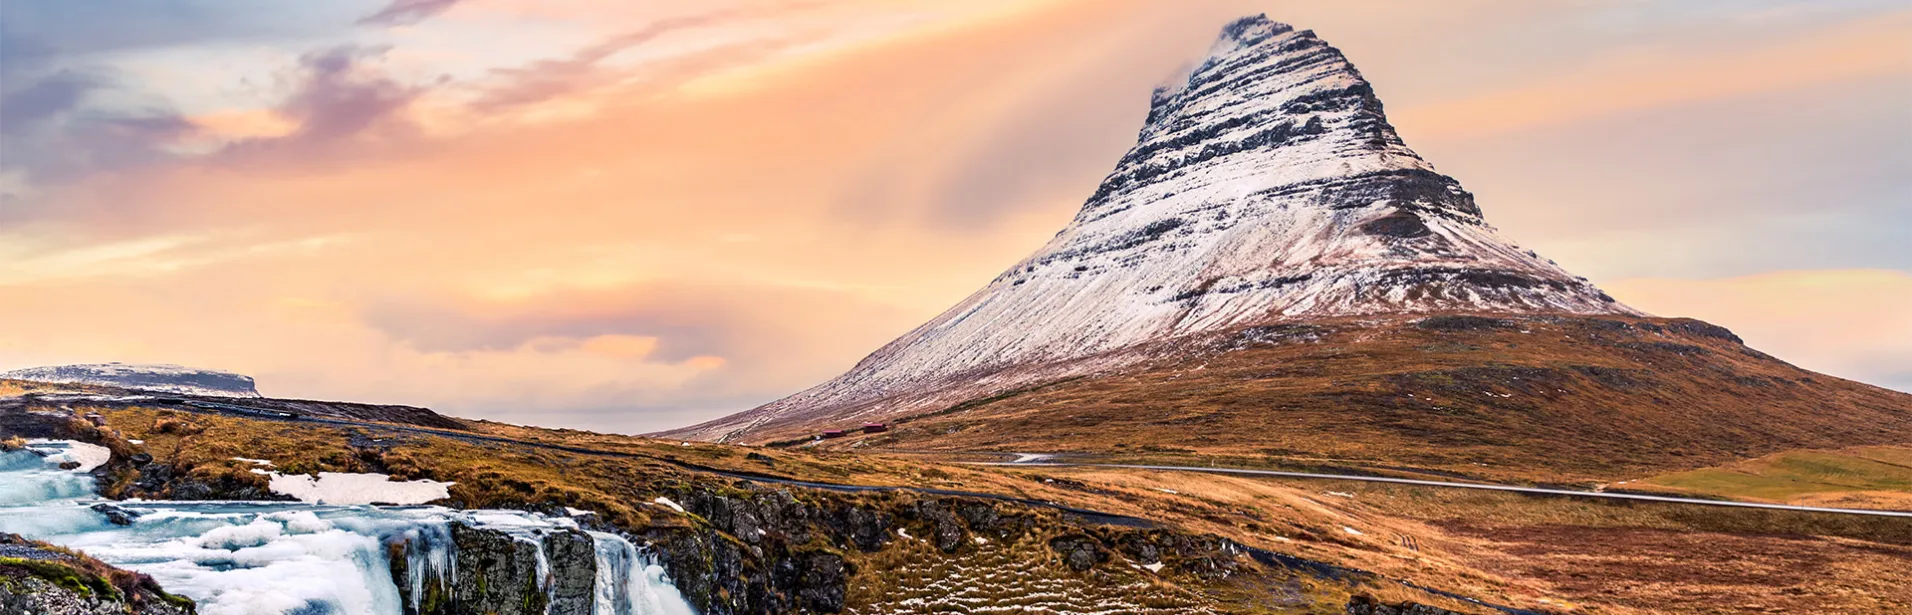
{"points": [[1544, 398]]}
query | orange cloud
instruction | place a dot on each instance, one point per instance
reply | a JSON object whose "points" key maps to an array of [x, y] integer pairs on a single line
{"points": [[1660, 77]]}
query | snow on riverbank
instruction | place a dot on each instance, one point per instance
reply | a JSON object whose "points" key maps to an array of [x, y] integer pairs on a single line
{"points": [[345, 488], [57, 452]]}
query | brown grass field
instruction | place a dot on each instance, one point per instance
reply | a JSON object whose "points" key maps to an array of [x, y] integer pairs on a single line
{"points": [[1580, 401]]}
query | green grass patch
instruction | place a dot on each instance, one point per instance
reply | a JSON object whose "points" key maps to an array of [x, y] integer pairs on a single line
{"points": [[1791, 474]]}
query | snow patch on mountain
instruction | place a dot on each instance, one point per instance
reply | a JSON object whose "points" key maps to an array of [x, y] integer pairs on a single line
{"points": [[1266, 186], [158, 378]]}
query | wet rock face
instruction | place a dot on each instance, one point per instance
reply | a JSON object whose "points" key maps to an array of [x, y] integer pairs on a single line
{"points": [[495, 572], [762, 557], [498, 574], [573, 560], [114, 514]]}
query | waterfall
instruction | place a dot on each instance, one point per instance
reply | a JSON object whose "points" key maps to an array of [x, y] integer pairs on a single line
{"points": [[430, 558], [30, 479], [631, 582], [280, 558]]}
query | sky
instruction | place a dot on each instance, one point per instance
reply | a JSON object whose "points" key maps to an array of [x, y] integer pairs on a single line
{"points": [[629, 216]]}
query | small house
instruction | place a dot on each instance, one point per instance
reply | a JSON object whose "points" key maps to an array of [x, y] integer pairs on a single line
{"points": [[835, 433], [875, 427]]}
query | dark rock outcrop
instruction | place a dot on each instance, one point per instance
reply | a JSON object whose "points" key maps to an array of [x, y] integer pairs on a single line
{"points": [[763, 555], [495, 572], [761, 550], [36, 579], [114, 514], [1364, 605], [573, 560], [498, 574], [1079, 552]]}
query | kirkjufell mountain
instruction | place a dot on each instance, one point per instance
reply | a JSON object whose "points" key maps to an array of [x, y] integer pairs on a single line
{"points": [[1268, 203], [1267, 186]]}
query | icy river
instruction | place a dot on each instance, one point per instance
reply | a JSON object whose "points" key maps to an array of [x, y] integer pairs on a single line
{"points": [[292, 558]]}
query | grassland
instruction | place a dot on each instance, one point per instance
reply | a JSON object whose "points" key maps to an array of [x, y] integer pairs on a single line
{"points": [[1534, 399], [1859, 477]]}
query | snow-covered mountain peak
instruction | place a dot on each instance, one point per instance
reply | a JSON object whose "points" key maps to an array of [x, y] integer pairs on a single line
{"points": [[158, 378], [1268, 185]]}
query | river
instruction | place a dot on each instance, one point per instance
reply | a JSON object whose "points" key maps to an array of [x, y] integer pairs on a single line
{"points": [[290, 558]]}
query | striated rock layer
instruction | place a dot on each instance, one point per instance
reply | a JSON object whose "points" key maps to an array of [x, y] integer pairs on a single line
{"points": [[1268, 186]]}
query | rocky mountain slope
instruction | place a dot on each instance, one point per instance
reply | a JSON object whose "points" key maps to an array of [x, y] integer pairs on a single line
{"points": [[1267, 186], [151, 378]]}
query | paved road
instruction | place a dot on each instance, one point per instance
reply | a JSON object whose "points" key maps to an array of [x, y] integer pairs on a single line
{"points": [[1045, 462]]}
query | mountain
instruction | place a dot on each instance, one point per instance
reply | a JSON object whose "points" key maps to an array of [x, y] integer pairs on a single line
{"points": [[1268, 186], [157, 378]]}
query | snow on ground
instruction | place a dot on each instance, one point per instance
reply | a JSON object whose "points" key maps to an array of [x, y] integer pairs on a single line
{"points": [[667, 502], [348, 488], [57, 452], [992, 579]]}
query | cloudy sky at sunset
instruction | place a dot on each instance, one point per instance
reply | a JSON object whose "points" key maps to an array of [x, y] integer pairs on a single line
{"points": [[635, 215]]}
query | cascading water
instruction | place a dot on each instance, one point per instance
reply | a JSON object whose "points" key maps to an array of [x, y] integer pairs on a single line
{"points": [[629, 581], [281, 558]]}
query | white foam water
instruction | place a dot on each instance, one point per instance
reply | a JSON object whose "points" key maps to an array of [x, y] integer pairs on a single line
{"points": [[282, 558]]}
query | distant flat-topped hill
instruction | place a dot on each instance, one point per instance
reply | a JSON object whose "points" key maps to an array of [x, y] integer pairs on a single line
{"points": [[158, 378]]}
